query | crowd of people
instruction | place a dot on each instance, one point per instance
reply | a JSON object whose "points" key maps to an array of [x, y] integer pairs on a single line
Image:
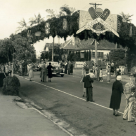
{"points": [[96, 72], [68, 65], [45, 70], [129, 90]]}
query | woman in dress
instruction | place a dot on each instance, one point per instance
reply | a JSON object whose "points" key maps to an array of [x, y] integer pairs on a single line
{"points": [[66, 65], [30, 71], [117, 90], [49, 72], [128, 91]]}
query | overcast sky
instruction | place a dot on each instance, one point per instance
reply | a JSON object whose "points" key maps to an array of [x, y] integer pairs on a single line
{"points": [[13, 11]]}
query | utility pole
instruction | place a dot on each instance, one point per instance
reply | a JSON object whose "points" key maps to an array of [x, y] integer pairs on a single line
{"points": [[94, 4], [96, 61], [53, 50]]}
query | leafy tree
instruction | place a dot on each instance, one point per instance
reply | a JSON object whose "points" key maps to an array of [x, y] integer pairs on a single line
{"points": [[117, 56]]}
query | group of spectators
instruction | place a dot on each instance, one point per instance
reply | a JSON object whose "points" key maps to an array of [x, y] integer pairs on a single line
{"points": [[5, 70], [68, 65], [129, 90], [45, 70]]}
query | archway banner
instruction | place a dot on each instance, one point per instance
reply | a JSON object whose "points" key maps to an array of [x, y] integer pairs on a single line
{"points": [[90, 24], [98, 21]]}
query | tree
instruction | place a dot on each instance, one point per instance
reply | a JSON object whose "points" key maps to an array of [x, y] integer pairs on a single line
{"points": [[6, 49], [23, 25], [117, 56], [68, 11], [36, 20], [126, 17], [24, 50]]}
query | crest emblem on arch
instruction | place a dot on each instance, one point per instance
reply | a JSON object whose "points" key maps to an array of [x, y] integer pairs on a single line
{"points": [[98, 21]]}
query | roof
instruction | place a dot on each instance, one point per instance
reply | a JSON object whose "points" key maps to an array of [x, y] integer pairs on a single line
{"points": [[88, 45], [49, 45]]}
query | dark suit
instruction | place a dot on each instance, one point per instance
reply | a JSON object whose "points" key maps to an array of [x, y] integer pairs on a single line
{"points": [[88, 85]]}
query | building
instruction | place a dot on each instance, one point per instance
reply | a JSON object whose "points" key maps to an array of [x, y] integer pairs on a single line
{"points": [[82, 46]]}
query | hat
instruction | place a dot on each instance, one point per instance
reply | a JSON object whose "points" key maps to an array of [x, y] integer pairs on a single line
{"points": [[119, 78]]}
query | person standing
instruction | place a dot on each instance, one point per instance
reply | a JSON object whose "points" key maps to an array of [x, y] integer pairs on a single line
{"points": [[108, 73], [134, 107], [93, 69], [117, 90], [101, 75], [88, 85], [66, 65], [128, 92], [2, 75], [44, 72], [30, 71], [96, 71], [83, 74], [49, 67], [7, 69], [10, 69], [71, 68], [69, 65]]}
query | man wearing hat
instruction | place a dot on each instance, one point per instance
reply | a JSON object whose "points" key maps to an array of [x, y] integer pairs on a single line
{"points": [[117, 90], [88, 85]]}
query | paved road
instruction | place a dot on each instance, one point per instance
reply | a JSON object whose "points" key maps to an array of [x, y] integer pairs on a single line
{"points": [[63, 96]]}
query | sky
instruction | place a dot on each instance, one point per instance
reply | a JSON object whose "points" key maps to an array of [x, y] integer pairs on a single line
{"points": [[13, 11]]}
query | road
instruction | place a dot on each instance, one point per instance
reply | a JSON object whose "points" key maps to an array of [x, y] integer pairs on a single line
{"points": [[63, 97]]}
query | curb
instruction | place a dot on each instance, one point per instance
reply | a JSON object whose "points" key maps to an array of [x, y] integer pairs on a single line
{"points": [[63, 125]]}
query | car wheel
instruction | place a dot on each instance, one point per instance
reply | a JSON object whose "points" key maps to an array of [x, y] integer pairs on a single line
{"points": [[62, 75]]}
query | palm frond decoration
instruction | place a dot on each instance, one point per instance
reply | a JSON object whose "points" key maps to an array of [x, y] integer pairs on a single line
{"points": [[126, 17]]}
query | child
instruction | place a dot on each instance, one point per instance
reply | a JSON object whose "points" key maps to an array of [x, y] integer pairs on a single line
{"points": [[101, 75]]}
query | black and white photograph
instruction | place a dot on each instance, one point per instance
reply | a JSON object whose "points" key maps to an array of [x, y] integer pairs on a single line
{"points": [[67, 68]]}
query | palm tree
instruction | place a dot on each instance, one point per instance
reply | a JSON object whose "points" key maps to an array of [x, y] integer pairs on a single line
{"points": [[37, 20], [23, 25], [64, 11], [68, 11], [126, 17], [51, 13]]}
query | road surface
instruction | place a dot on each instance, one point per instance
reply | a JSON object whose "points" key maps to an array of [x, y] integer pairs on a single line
{"points": [[63, 97]]}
